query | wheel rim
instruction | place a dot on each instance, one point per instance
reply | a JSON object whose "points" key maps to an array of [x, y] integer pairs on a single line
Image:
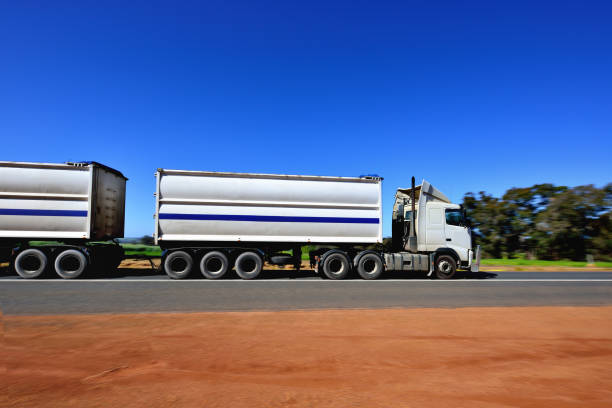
{"points": [[369, 266], [248, 265], [214, 266], [178, 265], [70, 263], [31, 264], [336, 266], [445, 267]]}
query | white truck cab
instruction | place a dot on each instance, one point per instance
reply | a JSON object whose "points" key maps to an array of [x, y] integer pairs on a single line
{"points": [[440, 231], [446, 228]]}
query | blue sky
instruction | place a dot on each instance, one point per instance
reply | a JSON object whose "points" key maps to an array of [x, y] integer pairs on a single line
{"points": [[471, 95]]}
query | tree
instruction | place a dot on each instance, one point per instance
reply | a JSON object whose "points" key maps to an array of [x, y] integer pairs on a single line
{"points": [[545, 221], [573, 221], [147, 240], [485, 215], [522, 206], [601, 244]]}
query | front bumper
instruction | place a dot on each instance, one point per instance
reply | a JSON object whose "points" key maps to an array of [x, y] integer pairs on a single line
{"points": [[475, 267]]}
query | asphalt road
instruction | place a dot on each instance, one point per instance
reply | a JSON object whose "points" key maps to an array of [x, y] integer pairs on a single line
{"points": [[126, 274], [289, 290]]}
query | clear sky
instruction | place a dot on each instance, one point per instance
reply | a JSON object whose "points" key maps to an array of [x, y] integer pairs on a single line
{"points": [[471, 95]]}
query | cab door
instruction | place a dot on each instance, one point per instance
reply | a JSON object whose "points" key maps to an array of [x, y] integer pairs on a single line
{"points": [[457, 235], [435, 227]]}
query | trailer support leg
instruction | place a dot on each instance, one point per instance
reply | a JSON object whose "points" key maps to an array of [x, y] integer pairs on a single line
{"points": [[297, 255]]}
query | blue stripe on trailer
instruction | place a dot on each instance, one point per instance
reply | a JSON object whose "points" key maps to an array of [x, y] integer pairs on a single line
{"points": [[266, 218], [43, 213]]}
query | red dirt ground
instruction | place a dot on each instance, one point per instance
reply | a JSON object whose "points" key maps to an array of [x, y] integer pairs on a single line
{"points": [[473, 357]]}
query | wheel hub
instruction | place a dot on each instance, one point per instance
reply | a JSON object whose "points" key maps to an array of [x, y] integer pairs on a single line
{"points": [[444, 266]]}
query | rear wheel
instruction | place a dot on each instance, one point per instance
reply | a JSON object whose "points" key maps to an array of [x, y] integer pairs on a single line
{"points": [[249, 265], [30, 263], [445, 267], [369, 266], [70, 263], [178, 265], [214, 265], [335, 265]]}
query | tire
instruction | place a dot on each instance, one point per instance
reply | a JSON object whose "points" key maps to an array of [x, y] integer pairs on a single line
{"points": [[214, 265], [178, 265], [369, 266], [70, 263], [445, 267], [282, 259], [30, 263], [335, 265], [249, 265]]}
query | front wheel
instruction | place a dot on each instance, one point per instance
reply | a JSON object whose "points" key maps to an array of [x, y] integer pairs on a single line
{"points": [[445, 267]]}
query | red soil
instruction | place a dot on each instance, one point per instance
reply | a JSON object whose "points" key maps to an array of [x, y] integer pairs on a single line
{"points": [[473, 357]]}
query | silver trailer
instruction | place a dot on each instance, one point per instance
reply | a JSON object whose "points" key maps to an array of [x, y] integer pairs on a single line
{"points": [[214, 221], [73, 204], [197, 206]]}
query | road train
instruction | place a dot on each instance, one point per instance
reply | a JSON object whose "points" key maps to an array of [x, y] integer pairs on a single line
{"points": [[64, 218]]}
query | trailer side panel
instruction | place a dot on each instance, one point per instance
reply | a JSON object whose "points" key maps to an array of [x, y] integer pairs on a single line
{"points": [[83, 201], [44, 201], [238, 207]]}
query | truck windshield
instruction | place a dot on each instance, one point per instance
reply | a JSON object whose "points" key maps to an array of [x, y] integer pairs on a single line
{"points": [[454, 217]]}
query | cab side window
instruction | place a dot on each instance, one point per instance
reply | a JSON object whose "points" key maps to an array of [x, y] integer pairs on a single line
{"points": [[454, 217]]}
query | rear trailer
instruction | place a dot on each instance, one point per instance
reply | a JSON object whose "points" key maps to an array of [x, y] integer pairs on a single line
{"points": [[51, 215], [211, 221]]}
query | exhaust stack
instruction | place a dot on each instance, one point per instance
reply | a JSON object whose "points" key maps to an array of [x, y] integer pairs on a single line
{"points": [[411, 244]]}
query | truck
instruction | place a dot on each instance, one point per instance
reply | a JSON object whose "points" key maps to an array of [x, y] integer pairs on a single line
{"points": [[213, 222], [60, 217]]}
